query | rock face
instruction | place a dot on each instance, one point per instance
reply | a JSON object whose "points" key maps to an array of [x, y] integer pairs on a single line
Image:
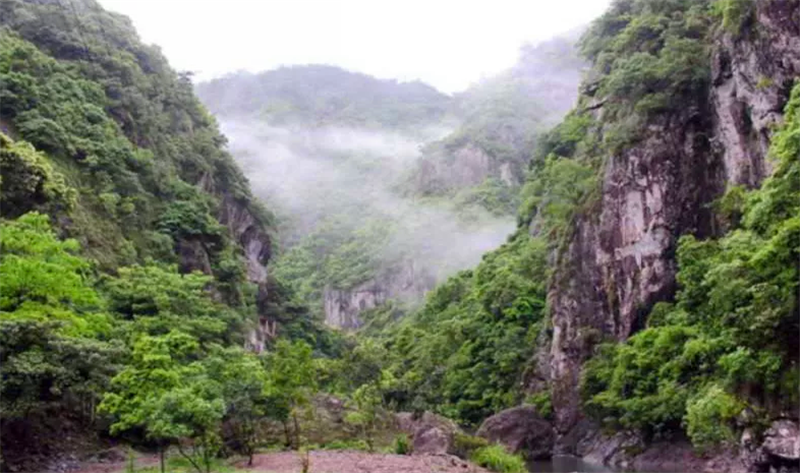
{"points": [[342, 307], [463, 167], [750, 76], [404, 282], [628, 452], [620, 259], [432, 434], [782, 440], [521, 430], [256, 244]]}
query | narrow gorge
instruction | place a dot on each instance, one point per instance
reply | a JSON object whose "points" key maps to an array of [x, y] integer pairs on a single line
{"points": [[587, 259]]}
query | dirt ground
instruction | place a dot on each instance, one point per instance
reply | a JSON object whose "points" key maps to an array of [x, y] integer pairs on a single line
{"points": [[323, 461], [342, 461]]}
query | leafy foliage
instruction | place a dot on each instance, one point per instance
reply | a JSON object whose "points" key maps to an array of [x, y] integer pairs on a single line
{"points": [[496, 458], [29, 181], [730, 339], [463, 354]]}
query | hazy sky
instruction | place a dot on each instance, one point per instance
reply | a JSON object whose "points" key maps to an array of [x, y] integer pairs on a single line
{"points": [[447, 43]]}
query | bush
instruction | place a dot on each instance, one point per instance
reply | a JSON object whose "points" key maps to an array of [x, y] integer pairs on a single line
{"points": [[735, 14], [709, 416], [496, 458], [346, 445], [465, 445], [543, 403], [402, 445]]}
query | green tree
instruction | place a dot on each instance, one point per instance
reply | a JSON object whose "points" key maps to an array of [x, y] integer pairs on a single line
{"points": [[161, 391], [291, 371], [246, 391], [368, 400]]}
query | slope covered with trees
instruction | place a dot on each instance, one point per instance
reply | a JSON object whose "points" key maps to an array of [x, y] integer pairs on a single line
{"points": [[652, 285], [319, 95], [132, 253]]}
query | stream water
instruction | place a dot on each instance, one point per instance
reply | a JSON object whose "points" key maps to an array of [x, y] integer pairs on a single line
{"points": [[565, 464]]}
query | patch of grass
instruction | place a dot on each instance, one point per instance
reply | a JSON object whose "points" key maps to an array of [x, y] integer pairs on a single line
{"points": [[465, 444], [496, 458], [346, 445]]}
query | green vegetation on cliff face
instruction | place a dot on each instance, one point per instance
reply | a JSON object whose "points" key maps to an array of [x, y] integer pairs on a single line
{"points": [[729, 341], [125, 294], [725, 344]]}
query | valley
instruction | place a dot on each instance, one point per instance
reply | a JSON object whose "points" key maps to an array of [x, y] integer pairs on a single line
{"points": [[586, 261]]}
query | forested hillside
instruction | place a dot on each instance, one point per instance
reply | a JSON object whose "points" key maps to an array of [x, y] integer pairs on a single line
{"points": [[651, 288], [132, 255], [319, 95]]}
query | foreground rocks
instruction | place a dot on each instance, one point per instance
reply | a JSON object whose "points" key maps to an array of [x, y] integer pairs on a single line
{"points": [[777, 452], [782, 440], [521, 430], [431, 433]]}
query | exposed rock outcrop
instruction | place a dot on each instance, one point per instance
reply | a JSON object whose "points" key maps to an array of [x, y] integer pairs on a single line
{"points": [[342, 307], [251, 236], [403, 282], [782, 440], [751, 77], [628, 451], [522, 430], [462, 167], [620, 259], [432, 434]]}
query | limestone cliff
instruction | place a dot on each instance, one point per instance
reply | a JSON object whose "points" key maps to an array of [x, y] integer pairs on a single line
{"points": [[619, 259], [407, 282]]}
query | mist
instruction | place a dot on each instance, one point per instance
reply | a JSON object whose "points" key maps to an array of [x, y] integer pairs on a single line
{"points": [[308, 175]]}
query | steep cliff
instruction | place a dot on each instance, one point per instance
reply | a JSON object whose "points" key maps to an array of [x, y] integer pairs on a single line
{"points": [[619, 258], [152, 177]]}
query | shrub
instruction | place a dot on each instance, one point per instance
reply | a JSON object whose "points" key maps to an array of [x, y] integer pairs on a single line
{"points": [[735, 14], [543, 403], [402, 445], [709, 416], [496, 458], [465, 445]]}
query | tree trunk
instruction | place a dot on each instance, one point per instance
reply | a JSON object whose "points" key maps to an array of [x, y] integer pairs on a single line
{"points": [[161, 456], [191, 460], [286, 433], [296, 432]]}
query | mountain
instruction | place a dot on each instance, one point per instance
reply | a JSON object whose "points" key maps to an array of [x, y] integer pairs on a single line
{"points": [[647, 305], [593, 255], [124, 218], [485, 159], [385, 188], [319, 95]]}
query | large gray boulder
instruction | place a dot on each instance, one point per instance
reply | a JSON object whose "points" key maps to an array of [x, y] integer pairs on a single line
{"points": [[782, 440], [521, 430], [432, 434]]}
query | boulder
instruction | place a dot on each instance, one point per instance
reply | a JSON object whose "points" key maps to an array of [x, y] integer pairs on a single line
{"points": [[782, 440], [521, 430], [432, 434]]}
